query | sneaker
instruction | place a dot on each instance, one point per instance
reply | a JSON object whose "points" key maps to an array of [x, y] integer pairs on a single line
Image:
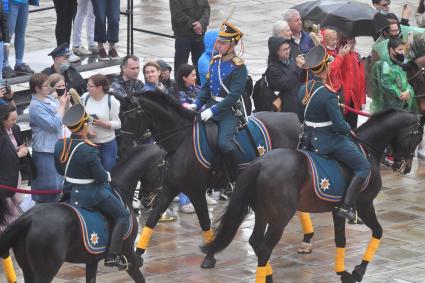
{"points": [[93, 49], [167, 216], [8, 72], [113, 54], [74, 58], [210, 200], [187, 208], [81, 51], [102, 55], [23, 69]]}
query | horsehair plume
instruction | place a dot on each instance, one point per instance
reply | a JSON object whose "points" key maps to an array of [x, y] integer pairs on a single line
{"points": [[75, 96]]}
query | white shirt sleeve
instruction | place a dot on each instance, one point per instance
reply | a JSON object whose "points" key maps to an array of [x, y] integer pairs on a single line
{"points": [[115, 110]]}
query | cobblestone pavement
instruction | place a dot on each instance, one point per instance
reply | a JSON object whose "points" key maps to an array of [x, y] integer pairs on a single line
{"points": [[174, 254]]}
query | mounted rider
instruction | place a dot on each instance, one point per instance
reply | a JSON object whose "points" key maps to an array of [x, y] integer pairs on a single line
{"points": [[222, 91], [87, 182], [325, 131]]}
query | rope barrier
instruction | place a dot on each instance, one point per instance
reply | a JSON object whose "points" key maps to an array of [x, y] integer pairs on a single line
{"points": [[355, 111], [35, 192]]}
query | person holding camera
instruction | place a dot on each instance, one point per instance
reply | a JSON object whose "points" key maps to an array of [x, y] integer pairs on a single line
{"points": [[104, 109], [46, 113]]}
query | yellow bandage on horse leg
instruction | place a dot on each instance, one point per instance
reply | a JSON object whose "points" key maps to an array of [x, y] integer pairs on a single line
{"points": [[260, 275], [269, 270], [145, 237], [339, 260], [8, 269], [371, 249], [306, 222], [208, 236]]}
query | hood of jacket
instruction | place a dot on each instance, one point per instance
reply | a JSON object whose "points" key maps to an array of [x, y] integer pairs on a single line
{"points": [[209, 40], [274, 43]]}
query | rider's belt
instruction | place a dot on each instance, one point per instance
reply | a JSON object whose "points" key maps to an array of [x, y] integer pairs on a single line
{"points": [[79, 181], [319, 124], [217, 98]]}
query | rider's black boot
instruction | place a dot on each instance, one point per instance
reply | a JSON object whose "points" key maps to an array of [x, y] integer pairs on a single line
{"points": [[351, 195], [232, 166], [114, 260]]}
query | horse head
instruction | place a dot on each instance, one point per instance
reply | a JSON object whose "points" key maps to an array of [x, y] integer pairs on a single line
{"points": [[415, 69], [406, 141]]}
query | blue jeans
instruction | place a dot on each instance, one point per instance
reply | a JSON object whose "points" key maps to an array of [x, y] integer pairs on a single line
{"points": [[106, 10], [1, 62], [17, 21], [183, 199], [47, 177], [108, 154]]}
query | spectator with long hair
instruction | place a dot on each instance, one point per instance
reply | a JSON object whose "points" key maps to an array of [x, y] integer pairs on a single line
{"points": [[104, 108], [46, 113], [187, 89]]}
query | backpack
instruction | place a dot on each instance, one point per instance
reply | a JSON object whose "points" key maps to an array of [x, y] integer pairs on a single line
{"points": [[265, 99]]}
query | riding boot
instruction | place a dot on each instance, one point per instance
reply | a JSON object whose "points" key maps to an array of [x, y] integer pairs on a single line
{"points": [[232, 165], [113, 258], [350, 198]]}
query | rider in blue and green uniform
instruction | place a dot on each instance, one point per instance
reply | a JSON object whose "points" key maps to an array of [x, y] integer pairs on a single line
{"points": [[225, 84], [325, 131], [87, 182]]}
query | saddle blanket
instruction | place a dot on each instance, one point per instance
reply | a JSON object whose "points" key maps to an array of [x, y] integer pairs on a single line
{"points": [[328, 180], [95, 229], [245, 154]]}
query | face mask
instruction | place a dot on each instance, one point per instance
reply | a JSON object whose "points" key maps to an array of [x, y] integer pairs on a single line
{"points": [[60, 91], [399, 57], [64, 66]]}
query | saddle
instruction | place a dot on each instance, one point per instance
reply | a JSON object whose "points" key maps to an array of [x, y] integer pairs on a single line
{"points": [[95, 229], [205, 142], [330, 178]]}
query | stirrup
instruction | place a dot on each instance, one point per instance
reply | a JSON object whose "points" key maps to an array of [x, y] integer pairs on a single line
{"points": [[116, 262], [347, 213]]}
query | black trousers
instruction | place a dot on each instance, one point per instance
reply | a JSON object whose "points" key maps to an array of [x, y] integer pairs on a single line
{"points": [[183, 48], [65, 14]]}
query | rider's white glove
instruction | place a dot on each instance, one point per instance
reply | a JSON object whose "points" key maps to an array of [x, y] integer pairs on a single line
{"points": [[206, 114], [192, 107]]}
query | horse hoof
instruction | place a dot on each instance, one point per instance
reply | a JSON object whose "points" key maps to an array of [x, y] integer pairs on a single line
{"points": [[269, 279], [358, 273], [305, 248], [139, 257], [347, 277], [208, 263]]}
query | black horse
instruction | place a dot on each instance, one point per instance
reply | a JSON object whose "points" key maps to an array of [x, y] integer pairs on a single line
{"points": [[171, 126], [49, 234], [279, 183]]}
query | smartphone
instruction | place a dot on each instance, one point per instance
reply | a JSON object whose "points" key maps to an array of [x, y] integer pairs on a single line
{"points": [[7, 88]]}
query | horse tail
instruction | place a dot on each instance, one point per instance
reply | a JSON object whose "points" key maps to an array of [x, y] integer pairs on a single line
{"points": [[238, 208], [12, 233]]}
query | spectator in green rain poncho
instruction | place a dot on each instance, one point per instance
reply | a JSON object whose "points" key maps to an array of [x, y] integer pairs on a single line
{"points": [[390, 88]]}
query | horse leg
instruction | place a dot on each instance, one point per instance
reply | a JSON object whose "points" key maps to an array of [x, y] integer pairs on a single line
{"points": [[133, 270], [308, 231], [166, 197], [272, 237], [91, 271], [340, 241], [201, 208], [368, 215], [257, 237]]}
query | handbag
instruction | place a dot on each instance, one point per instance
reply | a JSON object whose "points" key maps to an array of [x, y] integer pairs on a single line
{"points": [[265, 99]]}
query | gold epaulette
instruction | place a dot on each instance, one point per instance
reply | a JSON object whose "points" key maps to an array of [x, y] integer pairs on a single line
{"points": [[237, 61], [216, 57]]}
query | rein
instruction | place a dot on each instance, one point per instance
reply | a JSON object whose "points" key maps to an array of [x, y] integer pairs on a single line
{"points": [[169, 134], [23, 191]]}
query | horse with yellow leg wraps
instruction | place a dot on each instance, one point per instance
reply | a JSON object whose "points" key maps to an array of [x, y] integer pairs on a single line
{"points": [[274, 190]]}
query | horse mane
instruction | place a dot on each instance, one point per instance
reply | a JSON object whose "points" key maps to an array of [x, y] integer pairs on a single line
{"points": [[167, 101], [381, 117]]}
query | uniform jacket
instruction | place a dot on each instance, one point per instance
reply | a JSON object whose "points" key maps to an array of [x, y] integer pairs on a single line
{"points": [[73, 79], [84, 164], [186, 12], [323, 107], [233, 75]]}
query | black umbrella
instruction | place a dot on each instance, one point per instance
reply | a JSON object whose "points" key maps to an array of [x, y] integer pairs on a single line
{"points": [[351, 18]]}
